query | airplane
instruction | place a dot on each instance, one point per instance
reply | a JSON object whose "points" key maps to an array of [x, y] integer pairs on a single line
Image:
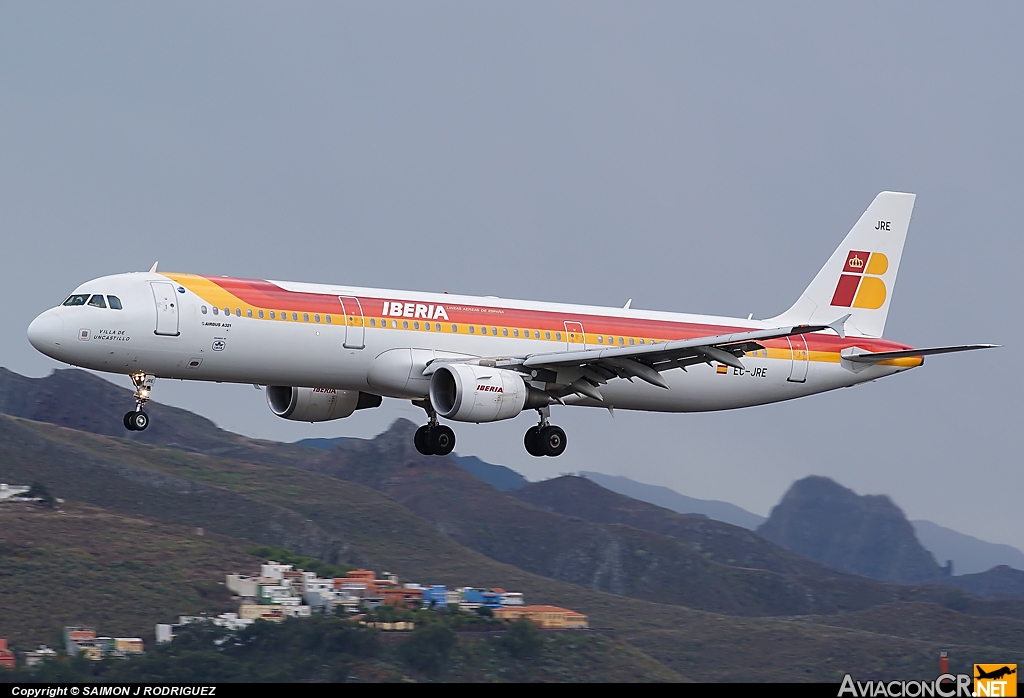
{"points": [[995, 674], [324, 351]]}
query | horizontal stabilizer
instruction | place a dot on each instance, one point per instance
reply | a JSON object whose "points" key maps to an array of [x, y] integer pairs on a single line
{"points": [[874, 357]]}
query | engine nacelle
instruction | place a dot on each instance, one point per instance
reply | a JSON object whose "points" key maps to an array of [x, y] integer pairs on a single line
{"points": [[471, 393], [317, 404]]}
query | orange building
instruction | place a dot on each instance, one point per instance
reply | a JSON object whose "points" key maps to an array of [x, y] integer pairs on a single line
{"points": [[403, 598], [358, 578], [547, 617], [6, 656]]}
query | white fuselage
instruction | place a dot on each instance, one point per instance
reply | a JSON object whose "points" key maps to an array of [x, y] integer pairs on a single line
{"points": [[378, 341]]}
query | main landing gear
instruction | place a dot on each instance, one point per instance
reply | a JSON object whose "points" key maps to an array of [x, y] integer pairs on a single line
{"points": [[433, 439], [138, 420], [544, 439]]}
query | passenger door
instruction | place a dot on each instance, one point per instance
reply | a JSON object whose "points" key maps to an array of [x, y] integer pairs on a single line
{"points": [[354, 330], [798, 346], [166, 308]]}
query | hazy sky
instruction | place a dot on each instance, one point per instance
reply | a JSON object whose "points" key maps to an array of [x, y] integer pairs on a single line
{"points": [[703, 158]]}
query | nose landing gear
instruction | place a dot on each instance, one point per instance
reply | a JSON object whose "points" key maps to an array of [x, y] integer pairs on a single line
{"points": [[544, 439], [138, 420], [433, 439]]}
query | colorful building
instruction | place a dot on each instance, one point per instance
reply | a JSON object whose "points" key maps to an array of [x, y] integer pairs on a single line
{"points": [[403, 597], [261, 611], [435, 596], [6, 656], [547, 617]]}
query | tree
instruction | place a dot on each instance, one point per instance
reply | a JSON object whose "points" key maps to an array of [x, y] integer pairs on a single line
{"points": [[39, 491], [523, 640], [428, 648]]}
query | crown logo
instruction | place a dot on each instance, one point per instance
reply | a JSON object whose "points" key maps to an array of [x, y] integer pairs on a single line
{"points": [[856, 263]]}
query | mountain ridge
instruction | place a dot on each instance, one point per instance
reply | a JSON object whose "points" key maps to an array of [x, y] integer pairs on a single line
{"points": [[277, 502]]}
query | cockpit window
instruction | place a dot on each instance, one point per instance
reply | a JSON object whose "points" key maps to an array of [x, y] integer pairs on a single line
{"points": [[77, 299], [97, 301], [115, 302]]}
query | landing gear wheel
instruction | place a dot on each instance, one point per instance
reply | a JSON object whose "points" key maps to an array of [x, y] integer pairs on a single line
{"points": [[552, 441], [532, 441], [441, 440], [420, 440], [137, 421]]}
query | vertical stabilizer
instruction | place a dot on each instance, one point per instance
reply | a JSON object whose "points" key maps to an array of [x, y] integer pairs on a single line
{"points": [[860, 275]]}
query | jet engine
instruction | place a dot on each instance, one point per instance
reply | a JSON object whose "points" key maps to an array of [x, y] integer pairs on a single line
{"points": [[472, 393], [317, 404]]}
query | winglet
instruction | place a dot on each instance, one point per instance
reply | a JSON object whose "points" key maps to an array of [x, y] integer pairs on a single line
{"points": [[152, 270], [626, 306], [839, 326]]}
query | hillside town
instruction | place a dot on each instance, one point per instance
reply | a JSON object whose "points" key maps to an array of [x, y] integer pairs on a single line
{"points": [[78, 640], [280, 591]]}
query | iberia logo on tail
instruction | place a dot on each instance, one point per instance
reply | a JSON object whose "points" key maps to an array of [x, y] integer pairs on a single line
{"points": [[860, 284]]}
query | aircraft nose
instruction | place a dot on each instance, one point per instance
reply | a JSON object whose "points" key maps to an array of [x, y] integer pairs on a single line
{"points": [[46, 331]]}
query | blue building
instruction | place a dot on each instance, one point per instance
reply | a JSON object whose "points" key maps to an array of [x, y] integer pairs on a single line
{"points": [[435, 596], [484, 597]]}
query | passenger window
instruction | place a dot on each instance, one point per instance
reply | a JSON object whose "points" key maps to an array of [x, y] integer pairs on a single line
{"points": [[295, 317], [238, 312], [316, 318], [248, 312], [373, 321], [416, 325], [515, 333], [558, 336], [426, 326], [641, 341], [227, 311], [394, 324], [504, 332], [455, 328], [494, 331], [77, 299], [215, 311], [472, 330], [97, 301], [328, 318], [202, 309], [600, 339], [437, 326], [483, 330], [305, 317], [260, 313], [536, 334], [631, 341], [273, 315], [547, 335], [115, 303], [621, 342]]}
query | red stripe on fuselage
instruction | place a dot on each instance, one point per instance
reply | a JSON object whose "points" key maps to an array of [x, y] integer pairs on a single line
{"points": [[264, 294]]}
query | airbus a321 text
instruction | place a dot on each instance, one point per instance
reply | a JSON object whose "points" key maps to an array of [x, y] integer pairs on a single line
{"points": [[324, 351]]}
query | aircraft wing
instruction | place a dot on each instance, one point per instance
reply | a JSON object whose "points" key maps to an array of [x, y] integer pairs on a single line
{"points": [[868, 357], [581, 372]]}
